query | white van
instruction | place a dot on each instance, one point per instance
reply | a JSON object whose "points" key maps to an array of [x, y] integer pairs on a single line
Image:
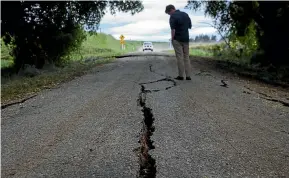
{"points": [[147, 46]]}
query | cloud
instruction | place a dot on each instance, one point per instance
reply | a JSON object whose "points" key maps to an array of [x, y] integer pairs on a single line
{"points": [[152, 22], [202, 30], [141, 28], [144, 38], [154, 10], [152, 36]]}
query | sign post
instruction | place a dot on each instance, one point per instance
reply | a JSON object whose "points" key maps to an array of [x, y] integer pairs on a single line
{"points": [[122, 42]]}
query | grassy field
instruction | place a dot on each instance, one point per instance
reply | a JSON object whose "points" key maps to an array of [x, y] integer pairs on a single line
{"points": [[100, 47], [103, 45], [198, 52]]}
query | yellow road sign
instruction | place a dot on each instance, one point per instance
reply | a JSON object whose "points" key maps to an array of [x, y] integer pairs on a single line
{"points": [[121, 37], [121, 41]]}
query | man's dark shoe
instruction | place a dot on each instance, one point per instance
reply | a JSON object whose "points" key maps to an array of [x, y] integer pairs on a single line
{"points": [[179, 78], [188, 78]]}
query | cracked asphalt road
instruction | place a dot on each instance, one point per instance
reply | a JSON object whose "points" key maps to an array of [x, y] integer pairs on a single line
{"points": [[90, 127]]}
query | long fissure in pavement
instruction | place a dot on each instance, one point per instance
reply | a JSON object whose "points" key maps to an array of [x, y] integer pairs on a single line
{"points": [[146, 161]]}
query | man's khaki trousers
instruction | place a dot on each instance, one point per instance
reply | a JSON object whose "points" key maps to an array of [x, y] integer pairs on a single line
{"points": [[182, 54]]}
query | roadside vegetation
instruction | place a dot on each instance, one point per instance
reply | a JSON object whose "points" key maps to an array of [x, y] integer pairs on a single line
{"points": [[255, 38], [44, 43], [96, 50], [229, 60]]}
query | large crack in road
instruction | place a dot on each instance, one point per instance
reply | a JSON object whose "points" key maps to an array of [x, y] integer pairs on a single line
{"points": [[147, 163]]}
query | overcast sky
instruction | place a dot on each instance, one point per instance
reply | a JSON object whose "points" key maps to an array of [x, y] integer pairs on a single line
{"points": [[152, 24]]}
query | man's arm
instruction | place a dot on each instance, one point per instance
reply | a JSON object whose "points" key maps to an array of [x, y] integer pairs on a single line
{"points": [[173, 31], [173, 27], [190, 22]]}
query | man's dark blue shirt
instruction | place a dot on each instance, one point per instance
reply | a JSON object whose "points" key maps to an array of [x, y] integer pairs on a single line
{"points": [[181, 22]]}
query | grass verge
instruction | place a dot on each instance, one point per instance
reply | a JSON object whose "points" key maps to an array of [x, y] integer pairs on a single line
{"points": [[96, 50], [197, 52], [200, 52], [227, 60], [21, 87]]}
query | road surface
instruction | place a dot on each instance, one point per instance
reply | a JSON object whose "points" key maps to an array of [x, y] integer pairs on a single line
{"points": [[130, 118]]}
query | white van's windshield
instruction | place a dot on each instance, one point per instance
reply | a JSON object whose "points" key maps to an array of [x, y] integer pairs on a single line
{"points": [[147, 43]]}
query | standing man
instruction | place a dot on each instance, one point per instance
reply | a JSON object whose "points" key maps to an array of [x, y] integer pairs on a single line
{"points": [[180, 24]]}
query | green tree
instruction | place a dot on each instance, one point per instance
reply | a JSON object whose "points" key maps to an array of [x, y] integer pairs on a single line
{"points": [[270, 21], [213, 38], [48, 30], [202, 38]]}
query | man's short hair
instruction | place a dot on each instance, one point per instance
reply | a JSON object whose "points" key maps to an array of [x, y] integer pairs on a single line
{"points": [[169, 8]]}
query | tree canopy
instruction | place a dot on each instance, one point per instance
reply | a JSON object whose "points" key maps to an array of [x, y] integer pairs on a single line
{"points": [[267, 21], [204, 38], [41, 31]]}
